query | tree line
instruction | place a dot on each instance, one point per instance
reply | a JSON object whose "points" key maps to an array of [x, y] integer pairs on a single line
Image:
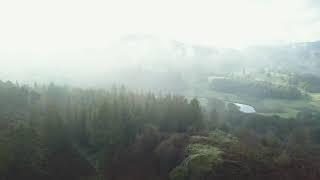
{"points": [[258, 89], [52, 131], [59, 132]]}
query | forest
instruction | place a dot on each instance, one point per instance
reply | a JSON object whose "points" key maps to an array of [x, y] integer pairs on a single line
{"points": [[62, 132], [160, 90], [258, 89]]}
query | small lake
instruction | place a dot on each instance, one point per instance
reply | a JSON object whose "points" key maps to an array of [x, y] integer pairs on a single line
{"points": [[245, 108], [242, 107]]}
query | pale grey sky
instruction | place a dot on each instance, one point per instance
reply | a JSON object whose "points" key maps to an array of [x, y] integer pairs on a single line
{"points": [[95, 23]]}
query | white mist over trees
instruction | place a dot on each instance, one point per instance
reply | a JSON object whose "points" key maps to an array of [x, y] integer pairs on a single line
{"points": [[147, 61], [162, 90]]}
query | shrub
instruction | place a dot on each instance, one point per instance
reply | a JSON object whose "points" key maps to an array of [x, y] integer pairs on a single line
{"points": [[201, 160]]}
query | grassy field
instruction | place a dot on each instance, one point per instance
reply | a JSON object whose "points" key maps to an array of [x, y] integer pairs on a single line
{"points": [[281, 107], [286, 108], [267, 106]]}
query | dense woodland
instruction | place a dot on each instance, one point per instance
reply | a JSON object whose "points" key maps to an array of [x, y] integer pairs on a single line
{"points": [[64, 133], [160, 90], [258, 89], [309, 82]]}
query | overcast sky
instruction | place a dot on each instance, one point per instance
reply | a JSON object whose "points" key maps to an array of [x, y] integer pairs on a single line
{"points": [[93, 23]]}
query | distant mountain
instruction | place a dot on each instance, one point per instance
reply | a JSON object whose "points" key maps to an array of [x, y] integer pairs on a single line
{"points": [[295, 57], [154, 62], [147, 51], [151, 52]]}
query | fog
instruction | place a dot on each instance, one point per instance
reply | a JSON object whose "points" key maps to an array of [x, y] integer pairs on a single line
{"points": [[92, 42], [159, 89], [92, 24]]}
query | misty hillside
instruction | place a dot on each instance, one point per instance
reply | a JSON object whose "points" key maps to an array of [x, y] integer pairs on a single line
{"points": [[150, 52], [64, 133], [153, 61], [160, 90]]}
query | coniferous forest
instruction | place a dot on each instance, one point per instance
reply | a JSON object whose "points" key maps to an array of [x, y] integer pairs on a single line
{"points": [[160, 90], [64, 133]]}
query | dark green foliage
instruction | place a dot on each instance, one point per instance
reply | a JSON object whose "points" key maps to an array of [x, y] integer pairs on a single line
{"points": [[201, 160], [66, 133], [170, 151], [22, 153], [258, 89], [309, 82], [43, 127]]}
